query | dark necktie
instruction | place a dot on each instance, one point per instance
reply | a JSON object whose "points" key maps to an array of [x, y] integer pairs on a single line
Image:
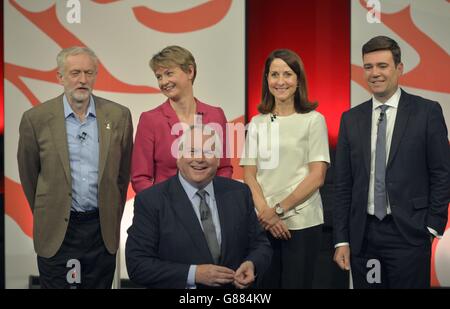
{"points": [[380, 197], [208, 226]]}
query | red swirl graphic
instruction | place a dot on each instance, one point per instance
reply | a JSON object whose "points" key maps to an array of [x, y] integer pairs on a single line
{"points": [[48, 22], [433, 58], [193, 19]]}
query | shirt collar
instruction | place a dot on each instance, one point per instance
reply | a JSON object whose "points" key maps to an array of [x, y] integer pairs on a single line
{"points": [[69, 111], [392, 102], [191, 191]]}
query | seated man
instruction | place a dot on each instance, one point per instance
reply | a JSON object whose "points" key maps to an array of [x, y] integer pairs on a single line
{"points": [[196, 229]]}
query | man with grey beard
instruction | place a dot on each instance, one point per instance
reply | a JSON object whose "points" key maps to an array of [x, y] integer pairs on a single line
{"points": [[74, 162]]}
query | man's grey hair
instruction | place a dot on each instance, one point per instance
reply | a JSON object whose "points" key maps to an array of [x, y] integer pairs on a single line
{"points": [[73, 51], [205, 129]]}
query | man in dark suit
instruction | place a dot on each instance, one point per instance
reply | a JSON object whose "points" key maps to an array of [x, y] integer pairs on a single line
{"points": [[392, 179], [196, 229], [74, 162]]}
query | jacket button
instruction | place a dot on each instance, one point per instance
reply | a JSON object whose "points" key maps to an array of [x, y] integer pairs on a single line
{"points": [[65, 219], [70, 193]]}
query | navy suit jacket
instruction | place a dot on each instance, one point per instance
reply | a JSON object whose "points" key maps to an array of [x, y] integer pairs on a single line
{"points": [[417, 171], [166, 237]]}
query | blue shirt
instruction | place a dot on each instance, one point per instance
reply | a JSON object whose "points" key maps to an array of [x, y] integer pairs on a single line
{"points": [[191, 192], [82, 138]]}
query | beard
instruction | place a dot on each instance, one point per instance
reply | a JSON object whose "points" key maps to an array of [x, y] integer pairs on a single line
{"points": [[79, 97]]}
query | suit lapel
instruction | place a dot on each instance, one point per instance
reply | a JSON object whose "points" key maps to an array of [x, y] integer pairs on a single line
{"points": [[170, 114], [183, 209], [105, 127], [404, 109], [57, 124], [365, 131]]}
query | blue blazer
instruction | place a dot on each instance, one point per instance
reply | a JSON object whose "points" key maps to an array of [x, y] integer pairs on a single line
{"points": [[417, 171], [166, 237]]}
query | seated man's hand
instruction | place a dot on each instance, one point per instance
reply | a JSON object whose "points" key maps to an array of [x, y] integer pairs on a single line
{"points": [[213, 275], [245, 275]]}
